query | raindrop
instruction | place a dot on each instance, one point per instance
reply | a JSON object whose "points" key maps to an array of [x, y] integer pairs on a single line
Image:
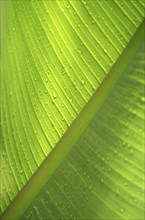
{"points": [[135, 200], [74, 83], [125, 184], [131, 151], [79, 51], [46, 80], [4, 154], [68, 6], [87, 199], [91, 187], [84, 2], [54, 94], [121, 210], [83, 81], [142, 99], [109, 169], [121, 38]]}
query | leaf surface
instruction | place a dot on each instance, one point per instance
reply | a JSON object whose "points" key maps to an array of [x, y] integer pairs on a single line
{"points": [[103, 176], [55, 55]]}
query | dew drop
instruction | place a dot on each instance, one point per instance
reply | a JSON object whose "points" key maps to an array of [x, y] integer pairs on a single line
{"points": [[74, 83], [46, 80], [121, 38], [90, 13], [135, 200], [54, 94], [109, 169], [83, 81], [91, 187], [81, 43], [125, 184], [121, 210], [143, 99], [79, 51], [131, 151], [84, 2], [4, 153], [68, 6]]}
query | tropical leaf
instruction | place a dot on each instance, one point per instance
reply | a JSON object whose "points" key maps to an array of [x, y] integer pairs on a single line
{"points": [[56, 56], [103, 176]]}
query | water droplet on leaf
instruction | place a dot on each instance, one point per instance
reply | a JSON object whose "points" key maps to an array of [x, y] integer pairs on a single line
{"points": [[54, 94], [83, 81]]}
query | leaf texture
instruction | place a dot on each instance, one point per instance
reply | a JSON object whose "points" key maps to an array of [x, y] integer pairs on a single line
{"points": [[55, 55], [103, 176]]}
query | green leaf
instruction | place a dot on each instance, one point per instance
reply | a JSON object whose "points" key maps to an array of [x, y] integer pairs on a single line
{"points": [[55, 58]]}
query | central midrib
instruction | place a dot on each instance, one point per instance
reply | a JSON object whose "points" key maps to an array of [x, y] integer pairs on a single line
{"points": [[63, 147]]}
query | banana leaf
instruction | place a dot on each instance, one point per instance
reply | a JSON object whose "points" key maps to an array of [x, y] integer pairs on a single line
{"points": [[72, 109]]}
